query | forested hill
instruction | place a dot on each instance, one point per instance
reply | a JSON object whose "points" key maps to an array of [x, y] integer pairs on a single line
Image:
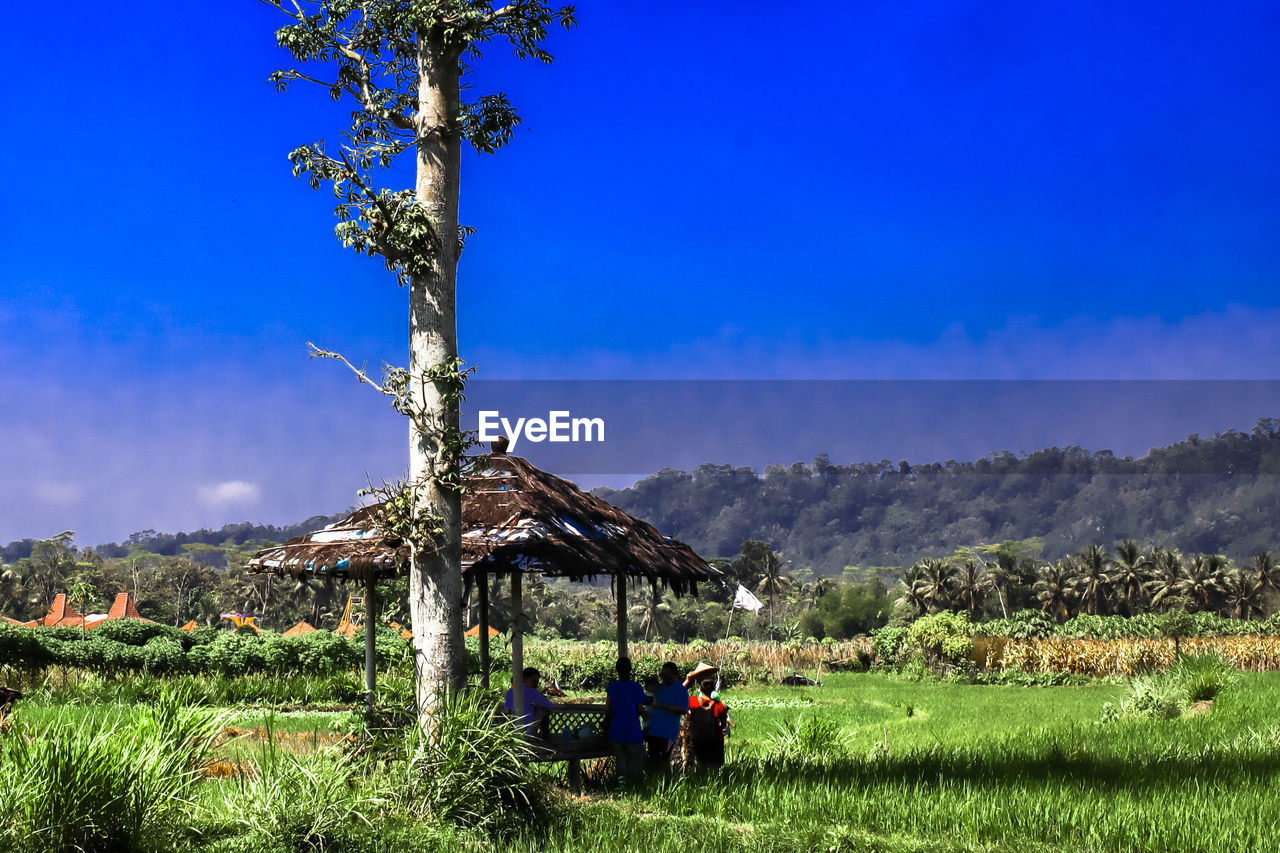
{"points": [[1203, 495], [171, 544]]}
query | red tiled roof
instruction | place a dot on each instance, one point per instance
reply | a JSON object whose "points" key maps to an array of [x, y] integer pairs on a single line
{"points": [[62, 613], [124, 608]]}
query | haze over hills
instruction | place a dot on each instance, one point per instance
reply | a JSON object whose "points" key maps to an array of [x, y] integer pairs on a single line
{"points": [[1204, 495], [1219, 494]]}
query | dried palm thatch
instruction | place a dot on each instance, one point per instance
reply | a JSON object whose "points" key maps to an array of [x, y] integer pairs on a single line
{"points": [[515, 518]]}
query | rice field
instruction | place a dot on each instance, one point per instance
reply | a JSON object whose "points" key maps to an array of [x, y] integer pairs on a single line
{"points": [[865, 762]]}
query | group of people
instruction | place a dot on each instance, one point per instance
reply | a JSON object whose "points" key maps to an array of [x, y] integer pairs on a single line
{"points": [[649, 718]]}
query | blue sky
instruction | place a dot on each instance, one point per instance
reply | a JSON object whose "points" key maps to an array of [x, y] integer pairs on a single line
{"points": [[916, 190]]}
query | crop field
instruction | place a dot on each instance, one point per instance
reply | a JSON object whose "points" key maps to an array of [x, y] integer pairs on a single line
{"points": [[865, 762]]}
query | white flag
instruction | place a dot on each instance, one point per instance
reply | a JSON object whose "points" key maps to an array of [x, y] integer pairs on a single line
{"points": [[744, 600]]}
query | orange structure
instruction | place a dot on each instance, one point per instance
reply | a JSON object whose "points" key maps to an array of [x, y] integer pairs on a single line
{"points": [[62, 614], [303, 627]]}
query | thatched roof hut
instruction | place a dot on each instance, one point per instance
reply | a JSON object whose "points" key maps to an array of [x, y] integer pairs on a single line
{"points": [[516, 518]]}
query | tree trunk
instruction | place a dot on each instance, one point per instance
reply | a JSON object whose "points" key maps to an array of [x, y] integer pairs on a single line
{"points": [[435, 580]]}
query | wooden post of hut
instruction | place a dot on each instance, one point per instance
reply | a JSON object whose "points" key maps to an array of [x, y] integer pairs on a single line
{"points": [[620, 589], [370, 642], [482, 586], [517, 645]]}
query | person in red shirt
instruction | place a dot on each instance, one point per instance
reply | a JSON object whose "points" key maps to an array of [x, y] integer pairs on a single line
{"points": [[708, 721]]}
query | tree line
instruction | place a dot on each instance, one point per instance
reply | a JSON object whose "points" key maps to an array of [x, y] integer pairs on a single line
{"points": [[1213, 495]]}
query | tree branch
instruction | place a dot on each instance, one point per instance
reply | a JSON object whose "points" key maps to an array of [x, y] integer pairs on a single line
{"points": [[365, 96]]}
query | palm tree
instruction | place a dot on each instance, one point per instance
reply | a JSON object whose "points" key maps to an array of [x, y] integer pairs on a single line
{"points": [[1241, 595], [772, 580], [1166, 573], [1094, 582], [1266, 574], [815, 590], [1056, 590], [1201, 579], [653, 615], [912, 594], [972, 583], [935, 583], [1133, 571]]}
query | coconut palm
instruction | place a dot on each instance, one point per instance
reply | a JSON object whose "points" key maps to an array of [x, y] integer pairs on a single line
{"points": [[971, 585], [1056, 589], [936, 583], [772, 580], [1132, 571], [654, 615], [911, 591], [1094, 581], [1241, 595], [1166, 574], [1266, 574], [1201, 579]]}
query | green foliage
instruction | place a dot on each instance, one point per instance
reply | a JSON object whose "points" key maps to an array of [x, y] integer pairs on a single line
{"points": [[167, 651], [1022, 625], [887, 643], [943, 638], [1201, 677], [474, 768], [299, 802], [1194, 678], [810, 739], [101, 785]]}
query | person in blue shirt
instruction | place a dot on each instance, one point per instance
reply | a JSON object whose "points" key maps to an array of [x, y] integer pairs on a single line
{"points": [[536, 706], [670, 705], [624, 706]]}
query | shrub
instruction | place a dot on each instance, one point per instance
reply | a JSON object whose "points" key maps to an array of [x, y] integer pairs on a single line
{"points": [[943, 638], [299, 802], [809, 740], [474, 768], [887, 643], [1202, 676], [1152, 696], [91, 785]]}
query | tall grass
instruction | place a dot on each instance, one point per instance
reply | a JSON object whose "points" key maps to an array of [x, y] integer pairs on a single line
{"points": [[283, 801], [104, 785], [473, 768]]}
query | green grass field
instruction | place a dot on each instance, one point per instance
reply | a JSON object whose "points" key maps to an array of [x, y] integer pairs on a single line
{"points": [[970, 768], [890, 765]]}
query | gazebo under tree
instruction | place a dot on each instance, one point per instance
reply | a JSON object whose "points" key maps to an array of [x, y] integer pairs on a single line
{"points": [[517, 519]]}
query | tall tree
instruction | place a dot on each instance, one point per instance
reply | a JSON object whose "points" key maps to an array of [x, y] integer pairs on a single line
{"points": [[1094, 581], [1132, 573], [935, 583], [1241, 595], [1056, 589], [1166, 574], [402, 63], [972, 583], [1201, 579]]}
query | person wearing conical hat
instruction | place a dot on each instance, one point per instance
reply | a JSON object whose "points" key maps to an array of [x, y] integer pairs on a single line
{"points": [[701, 671]]}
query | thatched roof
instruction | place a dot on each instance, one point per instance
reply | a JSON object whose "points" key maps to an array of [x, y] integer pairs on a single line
{"points": [[515, 518]]}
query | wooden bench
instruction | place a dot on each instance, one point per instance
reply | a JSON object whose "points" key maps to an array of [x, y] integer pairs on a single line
{"points": [[572, 733]]}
